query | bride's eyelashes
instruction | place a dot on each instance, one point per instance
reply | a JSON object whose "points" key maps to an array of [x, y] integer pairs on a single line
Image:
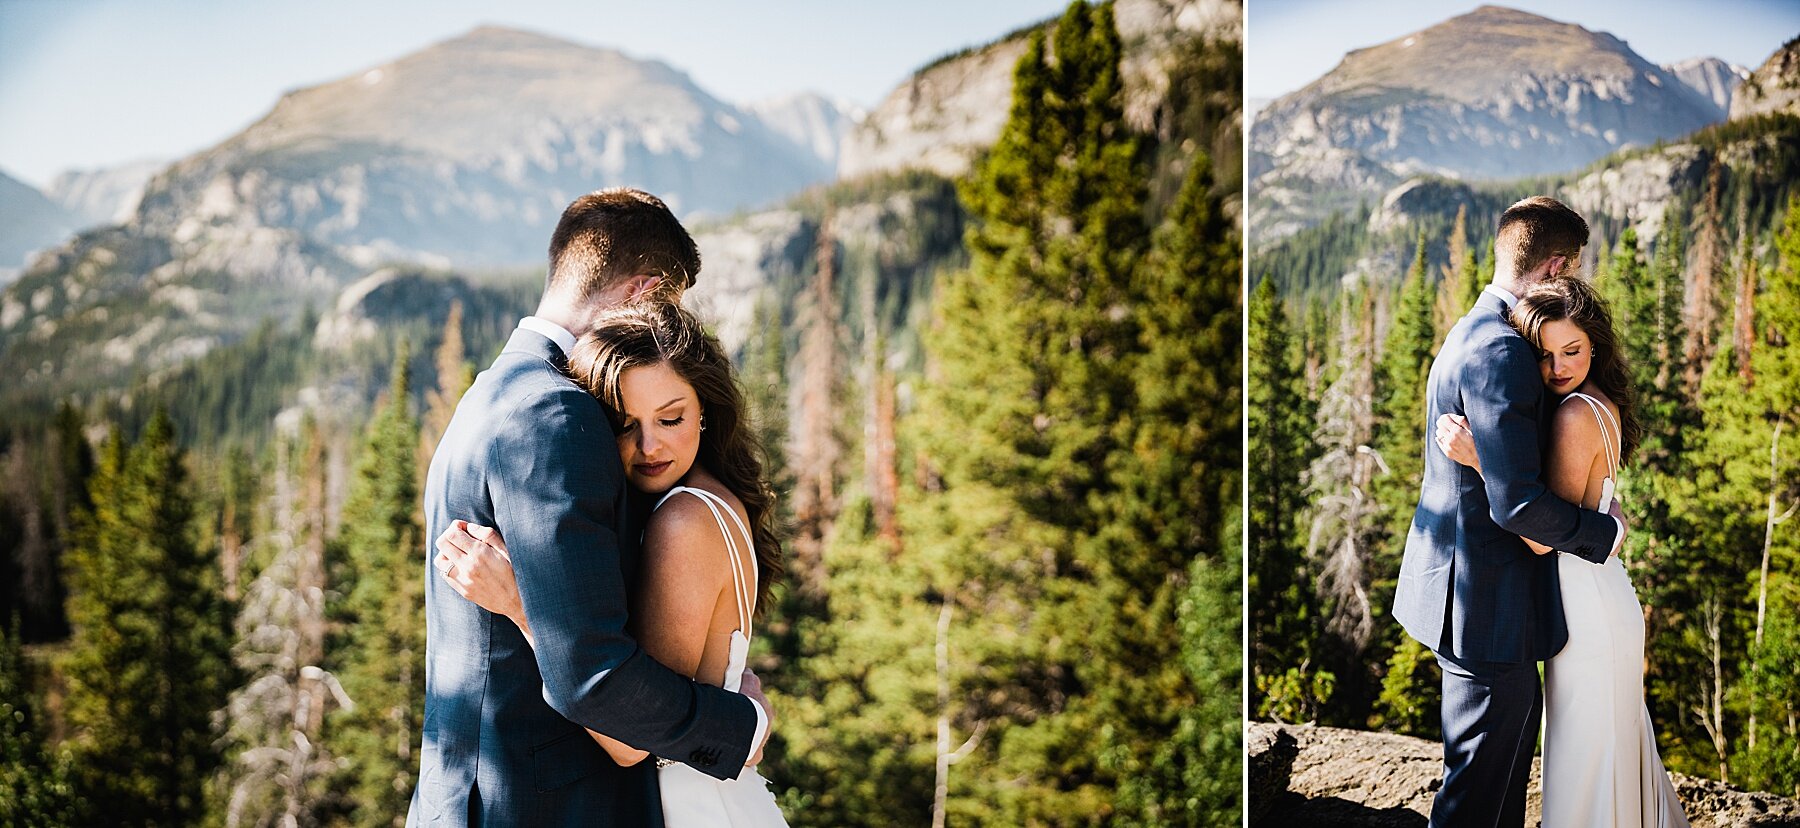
{"points": [[631, 425]]}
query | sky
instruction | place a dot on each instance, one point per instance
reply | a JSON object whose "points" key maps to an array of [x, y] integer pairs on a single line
{"points": [[1290, 43], [92, 83]]}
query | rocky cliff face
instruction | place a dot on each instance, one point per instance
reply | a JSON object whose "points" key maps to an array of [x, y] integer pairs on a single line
{"points": [[467, 151], [108, 195], [1714, 79], [1492, 94], [943, 116], [1773, 87], [810, 120], [1327, 776]]}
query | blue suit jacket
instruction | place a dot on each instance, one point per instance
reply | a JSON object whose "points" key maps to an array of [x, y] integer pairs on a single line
{"points": [[1469, 587], [533, 455]]}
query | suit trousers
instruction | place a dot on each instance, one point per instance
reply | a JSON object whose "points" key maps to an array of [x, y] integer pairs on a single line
{"points": [[1491, 713]]}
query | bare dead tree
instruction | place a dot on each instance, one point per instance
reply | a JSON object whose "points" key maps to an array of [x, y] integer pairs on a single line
{"points": [[947, 757], [1702, 299], [816, 448], [1344, 514], [1709, 710], [278, 715], [1743, 328], [453, 378], [880, 472], [1770, 521]]}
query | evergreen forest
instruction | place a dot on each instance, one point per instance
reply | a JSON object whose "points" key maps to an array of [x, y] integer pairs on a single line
{"points": [[1004, 419], [1703, 290]]}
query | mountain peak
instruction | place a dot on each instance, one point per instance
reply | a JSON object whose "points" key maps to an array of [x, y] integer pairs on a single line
{"points": [[494, 36], [1470, 57], [1491, 94]]}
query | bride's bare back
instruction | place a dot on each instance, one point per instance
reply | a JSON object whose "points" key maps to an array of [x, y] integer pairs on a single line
{"points": [[686, 605]]}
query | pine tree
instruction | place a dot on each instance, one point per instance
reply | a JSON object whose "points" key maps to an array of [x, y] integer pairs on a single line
{"points": [[1400, 430], [1461, 283], [1028, 402], [1661, 397], [1174, 485], [454, 376], [34, 784], [1282, 613], [1773, 760], [148, 661], [382, 663]]}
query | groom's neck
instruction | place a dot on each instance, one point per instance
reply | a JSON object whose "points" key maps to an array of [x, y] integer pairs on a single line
{"points": [[1510, 283], [571, 319]]}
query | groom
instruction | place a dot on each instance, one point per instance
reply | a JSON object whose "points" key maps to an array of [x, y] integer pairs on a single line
{"points": [[1469, 588], [531, 454]]}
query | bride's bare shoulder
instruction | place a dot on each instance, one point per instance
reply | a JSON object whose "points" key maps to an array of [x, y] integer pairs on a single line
{"points": [[682, 528], [1575, 424]]}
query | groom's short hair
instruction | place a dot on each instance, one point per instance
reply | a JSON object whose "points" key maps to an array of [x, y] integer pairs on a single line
{"points": [[615, 234], [1533, 230]]}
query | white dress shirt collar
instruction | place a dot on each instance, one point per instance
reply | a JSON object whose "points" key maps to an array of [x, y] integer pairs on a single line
{"points": [[551, 331], [1502, 294]]}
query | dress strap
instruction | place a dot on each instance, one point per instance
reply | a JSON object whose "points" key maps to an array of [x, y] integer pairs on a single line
{"points": [[720, 509], [1602, 415]]}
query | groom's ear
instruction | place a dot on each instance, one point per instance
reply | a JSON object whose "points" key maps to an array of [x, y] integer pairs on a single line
{"points": [[640, 286]]}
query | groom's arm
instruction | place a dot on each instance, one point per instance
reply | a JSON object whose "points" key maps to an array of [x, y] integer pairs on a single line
{"points": [[554, 499], [1501, 389]]}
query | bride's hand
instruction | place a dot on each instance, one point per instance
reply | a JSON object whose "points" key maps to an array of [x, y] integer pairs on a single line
{"points": [[474, 561], [1455, 440]]}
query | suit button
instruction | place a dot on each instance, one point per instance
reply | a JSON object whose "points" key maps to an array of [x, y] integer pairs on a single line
{"points": [[704, 757]]}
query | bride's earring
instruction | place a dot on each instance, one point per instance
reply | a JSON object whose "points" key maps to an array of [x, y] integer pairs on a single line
{"points": [[703, 422]]}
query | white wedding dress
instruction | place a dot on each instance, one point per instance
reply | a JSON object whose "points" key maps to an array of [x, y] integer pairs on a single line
{"points": [[1601, 769], [691, 799]]}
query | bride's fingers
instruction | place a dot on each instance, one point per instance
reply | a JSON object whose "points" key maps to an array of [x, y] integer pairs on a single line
{"points": [[457, 535], [487, 535], [448, 555]]}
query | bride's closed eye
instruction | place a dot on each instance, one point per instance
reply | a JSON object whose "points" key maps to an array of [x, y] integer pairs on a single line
{"points": [[632, 424]]}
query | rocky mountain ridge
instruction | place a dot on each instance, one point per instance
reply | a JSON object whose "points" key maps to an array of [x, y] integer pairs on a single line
{"points": [[940, 118], [1492, 94], [107, 195], [1713, 78], [1773, 87], [467, 151]]}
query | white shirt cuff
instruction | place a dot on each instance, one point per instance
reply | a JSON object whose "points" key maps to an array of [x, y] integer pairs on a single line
{"points": [[1618, 544], [762, 729]]}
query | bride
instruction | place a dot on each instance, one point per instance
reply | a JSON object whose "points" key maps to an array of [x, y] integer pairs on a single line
{"points": [[709, 550], [1601, 767]]}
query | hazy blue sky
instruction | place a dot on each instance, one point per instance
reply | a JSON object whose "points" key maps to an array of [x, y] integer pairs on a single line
{"points": [[1292, 42], [87, 83]]}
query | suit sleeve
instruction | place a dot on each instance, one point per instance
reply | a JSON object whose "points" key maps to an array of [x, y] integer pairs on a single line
{"points": [[555, 501], [1501, 391]]}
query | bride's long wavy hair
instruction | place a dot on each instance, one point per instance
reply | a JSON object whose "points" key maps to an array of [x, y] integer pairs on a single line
{"points": [[657, 331], [1570, 298]]}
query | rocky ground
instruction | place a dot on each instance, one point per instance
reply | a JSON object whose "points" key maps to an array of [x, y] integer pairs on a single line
{"points": [[1321, 776]]}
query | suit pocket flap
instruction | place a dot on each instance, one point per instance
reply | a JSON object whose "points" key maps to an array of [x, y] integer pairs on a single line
{"points": [[564, 759]]}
